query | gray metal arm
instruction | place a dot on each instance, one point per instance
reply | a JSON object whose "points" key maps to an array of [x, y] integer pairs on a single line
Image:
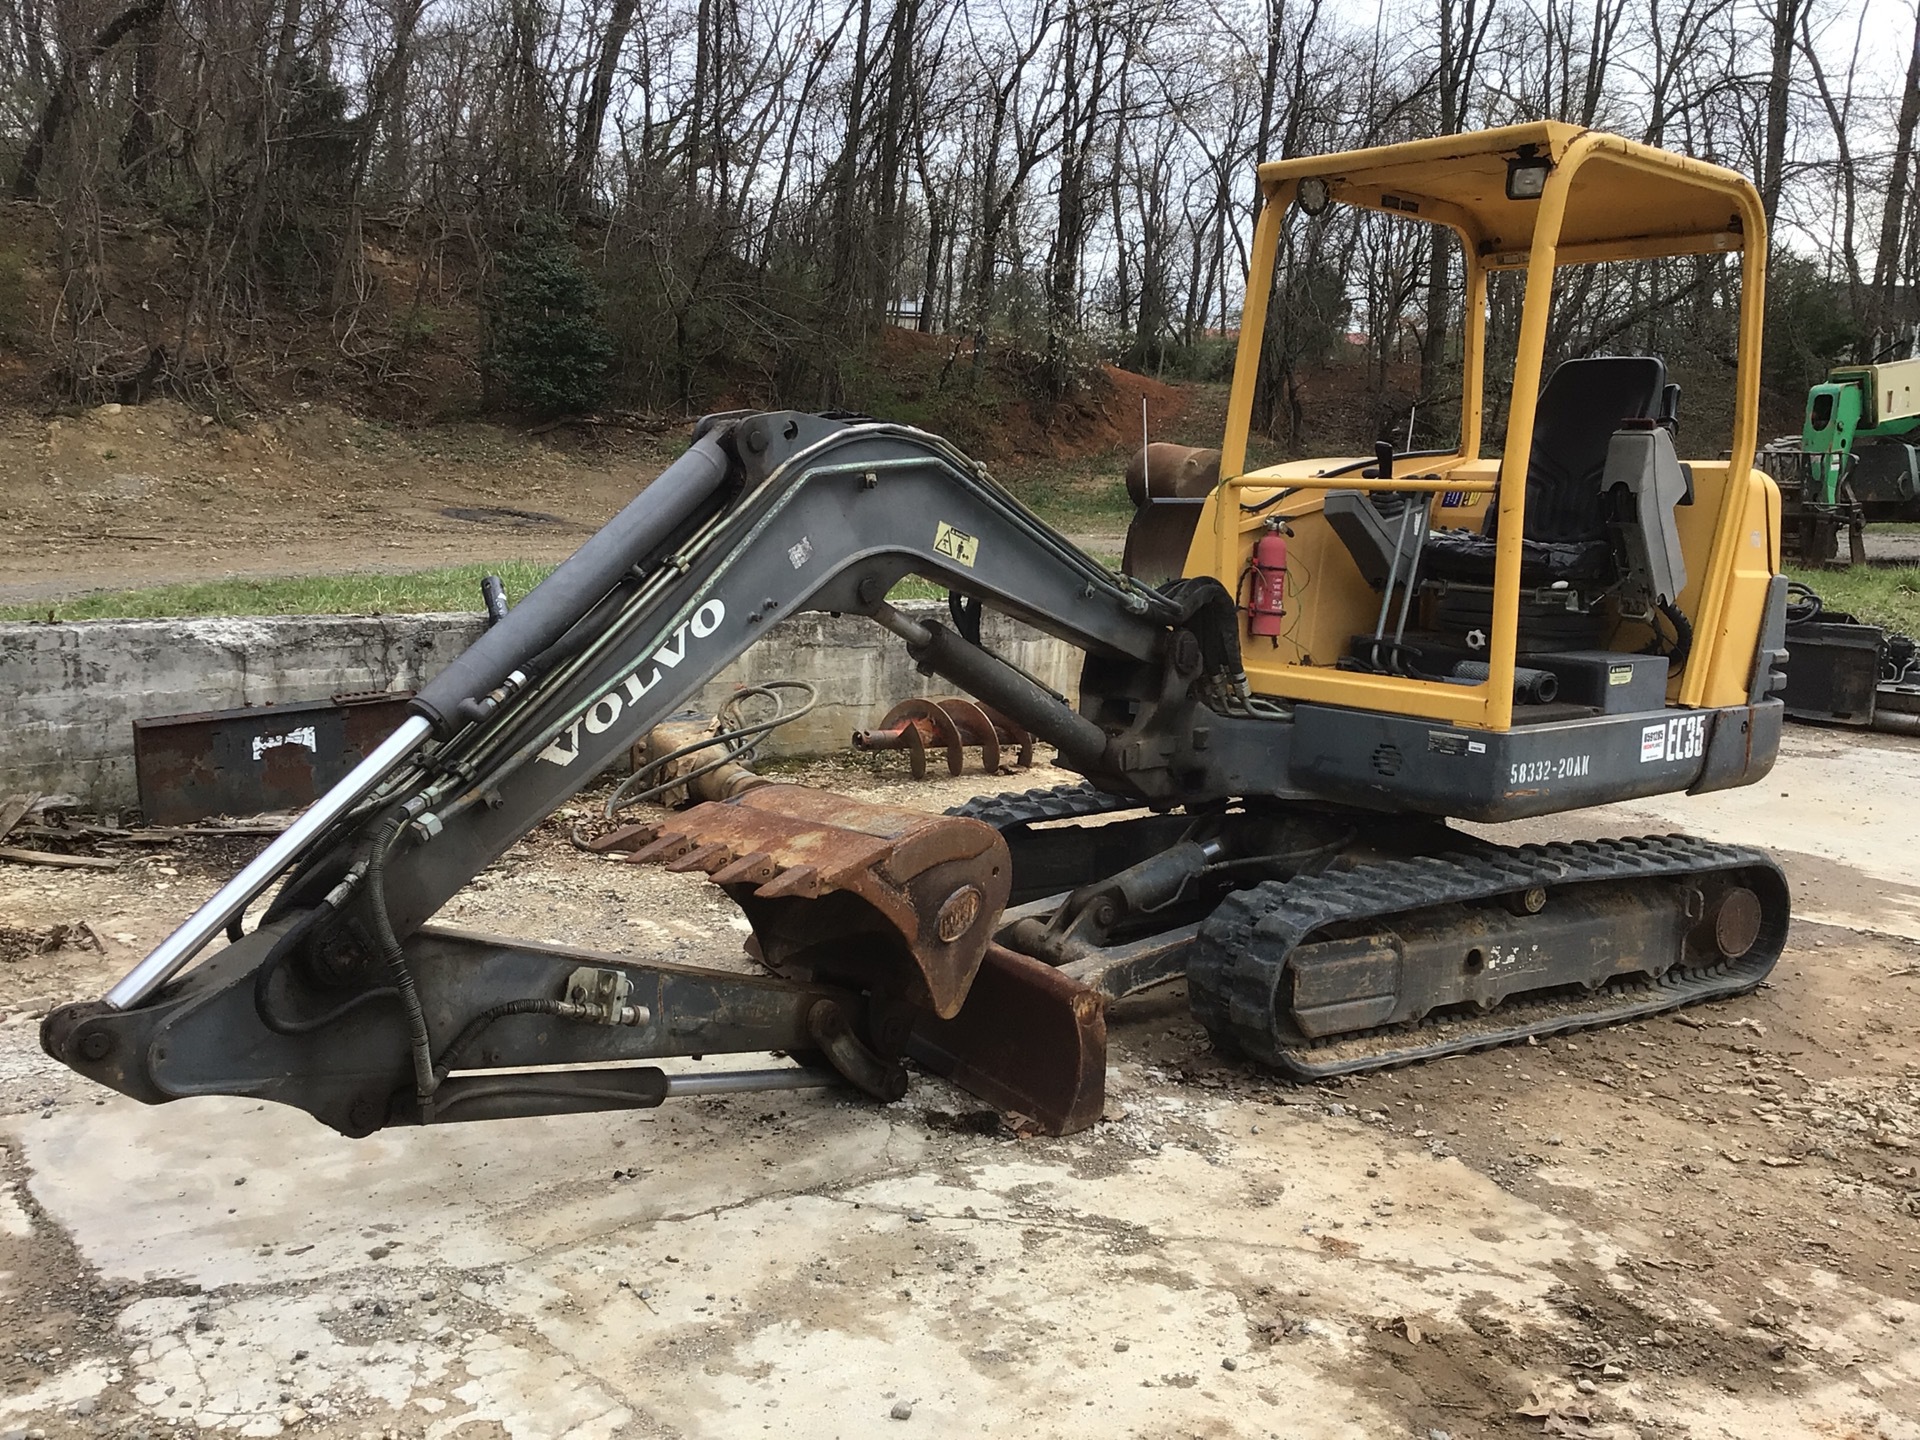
{"points": [[811, 514]]}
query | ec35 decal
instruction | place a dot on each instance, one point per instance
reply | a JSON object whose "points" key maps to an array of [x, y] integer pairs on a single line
{"points": [[1682, 738]]}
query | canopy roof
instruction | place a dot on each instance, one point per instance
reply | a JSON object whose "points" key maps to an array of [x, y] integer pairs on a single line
{"points": [[1623, 200]]}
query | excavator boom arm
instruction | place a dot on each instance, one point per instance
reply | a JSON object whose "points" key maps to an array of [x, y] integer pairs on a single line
{"points": [[765, 515]]}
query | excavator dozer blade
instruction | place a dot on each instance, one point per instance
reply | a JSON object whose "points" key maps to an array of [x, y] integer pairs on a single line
{"points": [[902, 904], [1029, 1041]]}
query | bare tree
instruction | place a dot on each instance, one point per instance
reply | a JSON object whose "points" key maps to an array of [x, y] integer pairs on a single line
{"points": [[1897, 226]]}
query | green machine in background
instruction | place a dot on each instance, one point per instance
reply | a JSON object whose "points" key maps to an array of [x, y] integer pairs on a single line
{"points": [[1857, 459]]}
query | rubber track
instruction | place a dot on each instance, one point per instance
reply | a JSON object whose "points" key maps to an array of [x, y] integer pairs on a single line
{"points": [[1014, 808], [1236, 969]]}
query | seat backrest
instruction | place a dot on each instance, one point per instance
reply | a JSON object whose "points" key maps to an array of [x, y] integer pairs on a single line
{"points": [[1582, 405]]}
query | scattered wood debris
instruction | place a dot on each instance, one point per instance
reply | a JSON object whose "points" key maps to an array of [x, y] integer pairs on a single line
{"points": [[17, 943], [50, 835]]}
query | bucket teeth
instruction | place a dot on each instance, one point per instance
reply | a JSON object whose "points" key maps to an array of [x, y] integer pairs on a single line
{"points": [[912, 871], [707, 857], [906, 907], [667, 847], [802, 881], [754, 869], [627, 837]]}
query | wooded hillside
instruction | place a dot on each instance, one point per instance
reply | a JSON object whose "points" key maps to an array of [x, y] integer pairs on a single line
{"points": [[556, 204]]}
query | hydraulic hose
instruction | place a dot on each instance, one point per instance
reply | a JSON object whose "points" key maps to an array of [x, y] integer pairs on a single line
{"points": [[450, 1057], [556, 604], [1530, 686], [420, 1041], [738, 740], [288, 942], [1682, 636], [427, 1075]]}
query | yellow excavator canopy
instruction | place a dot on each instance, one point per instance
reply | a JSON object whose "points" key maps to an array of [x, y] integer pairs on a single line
{"points": [[1630, 200]]}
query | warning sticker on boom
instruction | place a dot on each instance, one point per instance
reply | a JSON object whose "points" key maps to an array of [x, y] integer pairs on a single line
{"points": [[956, 545]]}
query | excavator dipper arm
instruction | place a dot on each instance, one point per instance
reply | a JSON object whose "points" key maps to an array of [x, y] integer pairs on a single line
{"points": [[877, 921]]}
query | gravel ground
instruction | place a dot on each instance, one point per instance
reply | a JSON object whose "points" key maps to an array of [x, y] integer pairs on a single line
{"points": [[1706, 1225]]}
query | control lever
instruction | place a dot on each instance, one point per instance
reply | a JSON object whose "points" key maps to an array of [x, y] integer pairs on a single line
{"points": [[495, 596]]}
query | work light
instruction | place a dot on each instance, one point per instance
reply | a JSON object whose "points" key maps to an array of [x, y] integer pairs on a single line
{"points": [[1527, 174]]}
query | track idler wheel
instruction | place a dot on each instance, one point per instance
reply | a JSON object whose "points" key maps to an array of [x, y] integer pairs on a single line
{"points": [[1734, 921]]}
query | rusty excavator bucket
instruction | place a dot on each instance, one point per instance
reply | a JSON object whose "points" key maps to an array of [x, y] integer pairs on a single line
{"points": [[903, 905]]}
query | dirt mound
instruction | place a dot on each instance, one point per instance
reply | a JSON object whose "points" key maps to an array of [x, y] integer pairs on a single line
{"points": [[124, 496], [998, 409]]}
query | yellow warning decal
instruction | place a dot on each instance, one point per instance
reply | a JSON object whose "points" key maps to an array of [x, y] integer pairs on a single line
{"points": [[956, 545]]}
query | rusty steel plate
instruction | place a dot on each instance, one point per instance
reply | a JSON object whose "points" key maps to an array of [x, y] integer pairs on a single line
{"points": [[1030, 1041], [261, 757]]}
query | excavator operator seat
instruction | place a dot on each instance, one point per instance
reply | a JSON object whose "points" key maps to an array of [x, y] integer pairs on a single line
{"points": [[1602, 484], [1642, 483], [1584, 402], [1571, 532]]}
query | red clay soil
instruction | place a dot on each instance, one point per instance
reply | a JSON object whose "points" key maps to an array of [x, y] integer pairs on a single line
{"points": [[1005, 415]]}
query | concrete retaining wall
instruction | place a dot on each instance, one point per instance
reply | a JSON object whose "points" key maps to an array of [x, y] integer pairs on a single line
{"points": [[69, 693]]}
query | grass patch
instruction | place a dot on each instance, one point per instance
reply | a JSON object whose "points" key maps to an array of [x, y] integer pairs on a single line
{"points": [[1885, 595], [455, 588], [1088, 495]]}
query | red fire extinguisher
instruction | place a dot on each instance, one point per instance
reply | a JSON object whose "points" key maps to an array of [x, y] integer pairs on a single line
{"points": [[1266, 601]]}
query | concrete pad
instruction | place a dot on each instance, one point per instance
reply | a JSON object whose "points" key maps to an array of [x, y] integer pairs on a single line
{"points": [[1224, 1255], [234, 1192], [793, 1266], [14, 1220], [1844, 796], [812, 1269], [76, 1383]]}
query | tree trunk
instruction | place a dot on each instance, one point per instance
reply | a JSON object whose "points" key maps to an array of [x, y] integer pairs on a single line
{"points": [[891, 164], [1894, 220], [593, 108], [1839, 117], [1082, 94], [1773, 161], [843, 286], [141, 137], [346, 290], [697, 111], [65, 98], [1461, 39]]}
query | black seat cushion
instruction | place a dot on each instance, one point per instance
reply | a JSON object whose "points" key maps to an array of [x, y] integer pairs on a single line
{"points": [[1583, 404], [1566, 525], [1468, 559]]}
